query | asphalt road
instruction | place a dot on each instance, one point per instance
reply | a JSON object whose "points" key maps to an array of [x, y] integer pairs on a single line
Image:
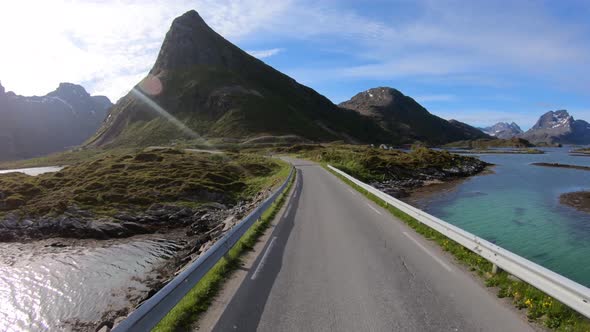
{"points": [[337, 262]]}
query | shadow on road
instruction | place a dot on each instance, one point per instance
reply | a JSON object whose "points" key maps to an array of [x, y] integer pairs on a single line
{"points": [[244, 311]]}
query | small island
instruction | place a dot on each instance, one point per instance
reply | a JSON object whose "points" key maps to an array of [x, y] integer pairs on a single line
{"points": [[583, 168], [497, 146], [579, 200], [584, 152]]}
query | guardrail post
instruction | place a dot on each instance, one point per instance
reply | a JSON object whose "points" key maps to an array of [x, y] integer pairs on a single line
{"points": [[495, 269]]}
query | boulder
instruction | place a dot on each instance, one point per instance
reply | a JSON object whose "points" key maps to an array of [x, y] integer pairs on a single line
{"points": [[112, 229]]}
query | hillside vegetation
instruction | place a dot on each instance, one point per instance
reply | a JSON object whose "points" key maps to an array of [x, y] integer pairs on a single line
{"points": [[136, 180], [379, 165], [514, 142]]}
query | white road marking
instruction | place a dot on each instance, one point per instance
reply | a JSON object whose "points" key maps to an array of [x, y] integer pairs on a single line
{"points": [[288, 210], [438, 260], [371, 206], [263, 260], [352, 191]]}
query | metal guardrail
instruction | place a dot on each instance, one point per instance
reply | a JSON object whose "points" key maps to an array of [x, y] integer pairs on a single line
{"points": [[567, 291], [151, 312]]}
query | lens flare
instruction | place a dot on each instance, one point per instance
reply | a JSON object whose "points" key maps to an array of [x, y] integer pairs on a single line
{"points": [[151, 85], [158, 109]]}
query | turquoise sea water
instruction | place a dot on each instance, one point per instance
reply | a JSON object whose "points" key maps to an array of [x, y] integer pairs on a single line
{"points": [[517, 207]]}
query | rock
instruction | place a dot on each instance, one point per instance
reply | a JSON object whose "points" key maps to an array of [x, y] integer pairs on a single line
{"points": [[205, 247], [148, 219], [8, 223], [158, 213], [214, 206], [95, 232], [27, 223], [228, 223], [135, 227], [69, 226], [118, 321], [112, 229], [104, 327], [184, 212], [126, 217]]}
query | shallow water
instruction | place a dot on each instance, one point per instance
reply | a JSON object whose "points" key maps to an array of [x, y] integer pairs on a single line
{"points": [[517, 207], [33, 171], [45, 288]]}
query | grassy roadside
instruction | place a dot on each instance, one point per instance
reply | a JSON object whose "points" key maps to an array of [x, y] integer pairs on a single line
{"points": [[540, 307], [199, 298]]}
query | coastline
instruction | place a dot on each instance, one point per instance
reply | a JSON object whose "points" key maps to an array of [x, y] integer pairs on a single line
{"points": [[418, 197]]}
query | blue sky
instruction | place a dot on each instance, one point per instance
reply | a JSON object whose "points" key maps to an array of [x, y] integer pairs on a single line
{"points": [[476, 61]]}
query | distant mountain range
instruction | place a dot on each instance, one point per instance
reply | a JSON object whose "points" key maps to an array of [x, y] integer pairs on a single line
{"points": [[406, 120], [558, 127], [34, 126], [503, 130], [217, 90], [202, 85], [553, 127]]}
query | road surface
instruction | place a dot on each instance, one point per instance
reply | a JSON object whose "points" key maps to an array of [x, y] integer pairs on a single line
{"points": [[337, 262]]}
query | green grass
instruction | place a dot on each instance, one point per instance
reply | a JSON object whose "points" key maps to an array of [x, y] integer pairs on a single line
{"points": [[540, 307], [372, 164], [187, 311], [485, 143], [132, 182]]}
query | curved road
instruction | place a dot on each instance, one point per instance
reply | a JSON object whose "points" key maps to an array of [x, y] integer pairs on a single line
{"points": [[337, 262]]}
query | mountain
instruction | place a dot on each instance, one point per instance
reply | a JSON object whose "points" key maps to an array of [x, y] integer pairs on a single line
{"points": [[558, 127], [202, 85], [406, 120], [468, 131], [34, 126], [503, 130]]}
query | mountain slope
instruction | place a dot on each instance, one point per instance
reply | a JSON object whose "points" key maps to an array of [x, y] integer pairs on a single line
{"points": [[406, 120], [202, 85], [503, 130], [467, 131], [33, 126], [558, 127]]}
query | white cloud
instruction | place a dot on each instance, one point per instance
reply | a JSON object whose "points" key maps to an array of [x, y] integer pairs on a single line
{"points": [[261, 54], [107, 46]]}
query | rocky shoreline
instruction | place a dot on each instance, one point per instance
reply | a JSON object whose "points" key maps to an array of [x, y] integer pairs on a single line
{"points": [[82, 224], [403, 187], [579, 200], [195, 229], [202, 228]]}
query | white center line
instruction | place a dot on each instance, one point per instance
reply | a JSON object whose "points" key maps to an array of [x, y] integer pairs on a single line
{"points": [[438, 260], [288, 210], [263, 259], [371, 206]]}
